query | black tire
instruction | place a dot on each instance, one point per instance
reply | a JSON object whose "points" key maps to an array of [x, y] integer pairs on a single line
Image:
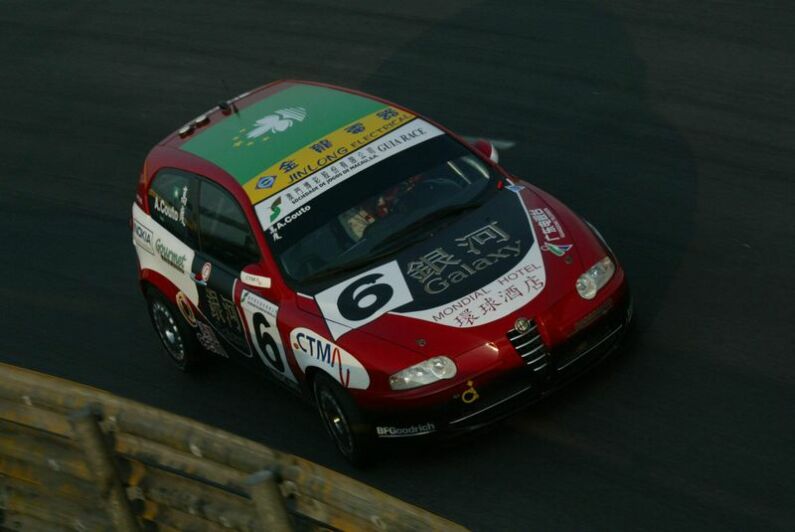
{"points": [[343, 420], [176, 336]]}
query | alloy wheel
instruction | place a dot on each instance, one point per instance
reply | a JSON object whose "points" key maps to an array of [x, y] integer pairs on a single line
{"points": [[336, 422], [168, 330]]}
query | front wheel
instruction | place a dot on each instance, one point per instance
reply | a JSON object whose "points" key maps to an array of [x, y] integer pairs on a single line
{"points": [[174, 332], [343, 420]]}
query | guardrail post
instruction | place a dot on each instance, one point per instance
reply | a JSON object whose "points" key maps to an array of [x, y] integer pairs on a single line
{"points": [[269, 502], [91, 439]]}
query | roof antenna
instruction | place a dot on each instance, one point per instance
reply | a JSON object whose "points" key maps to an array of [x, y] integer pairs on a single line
{"points": [[226, 105]]}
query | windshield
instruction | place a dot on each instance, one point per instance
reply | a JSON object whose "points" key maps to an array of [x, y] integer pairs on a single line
{"points": [[380, 210]]}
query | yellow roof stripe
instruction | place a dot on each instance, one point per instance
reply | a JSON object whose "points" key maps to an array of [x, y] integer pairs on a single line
{"points": [[324, 151]]}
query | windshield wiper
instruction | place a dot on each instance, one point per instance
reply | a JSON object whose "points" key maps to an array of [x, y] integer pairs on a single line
{"points": [[354, 264], [402, 239], [416, 225]]}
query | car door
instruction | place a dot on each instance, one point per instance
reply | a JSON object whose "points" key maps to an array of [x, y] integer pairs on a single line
{"points": [[226, 245], [245, 321]]}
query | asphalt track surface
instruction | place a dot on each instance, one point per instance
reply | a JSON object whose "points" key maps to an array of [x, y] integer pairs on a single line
{"points": [[670, 125]]}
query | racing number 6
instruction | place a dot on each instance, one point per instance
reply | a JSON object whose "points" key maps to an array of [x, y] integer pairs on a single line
{"points": [[266, 343], [358, 302]]}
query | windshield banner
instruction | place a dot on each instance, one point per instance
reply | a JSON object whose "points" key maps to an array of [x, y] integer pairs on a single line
{"points": [[279, 210]]}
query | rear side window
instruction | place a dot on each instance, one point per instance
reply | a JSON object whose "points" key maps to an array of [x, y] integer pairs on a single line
{"points": [[225, 233], [171, 203]]}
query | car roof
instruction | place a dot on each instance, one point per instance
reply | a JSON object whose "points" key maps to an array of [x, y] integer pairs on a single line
{"points": [[271, 137]]}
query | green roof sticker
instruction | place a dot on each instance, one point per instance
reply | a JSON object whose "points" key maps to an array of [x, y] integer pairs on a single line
{"points": [[263, 133]]}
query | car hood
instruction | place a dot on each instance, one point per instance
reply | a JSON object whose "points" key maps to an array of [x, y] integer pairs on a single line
{"points": [[464, 285]]}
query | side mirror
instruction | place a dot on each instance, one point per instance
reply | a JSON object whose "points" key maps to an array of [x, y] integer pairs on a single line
{"points": [[487, 148], [254, 275]]}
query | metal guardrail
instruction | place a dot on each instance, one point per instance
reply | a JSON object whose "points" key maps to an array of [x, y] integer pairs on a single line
{"points": [[76, 458]]}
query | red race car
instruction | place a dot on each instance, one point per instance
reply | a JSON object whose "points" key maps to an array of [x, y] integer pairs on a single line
{"points": [[370, 260]]}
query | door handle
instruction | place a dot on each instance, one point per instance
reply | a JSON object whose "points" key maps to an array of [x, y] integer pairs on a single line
{"points": [[197, 279]]}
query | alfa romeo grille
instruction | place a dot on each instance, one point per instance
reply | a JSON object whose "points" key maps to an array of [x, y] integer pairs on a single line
{"points": [[530, 347]]}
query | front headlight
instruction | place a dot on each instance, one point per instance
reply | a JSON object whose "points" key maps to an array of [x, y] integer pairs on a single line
{"points": [[595, 278], [432, 370]]}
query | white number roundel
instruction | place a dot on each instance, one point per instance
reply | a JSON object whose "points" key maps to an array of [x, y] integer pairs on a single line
{"points": [[363, 298]]}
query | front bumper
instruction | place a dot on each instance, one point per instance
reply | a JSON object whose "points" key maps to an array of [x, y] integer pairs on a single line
{"points": [[550, 370]]}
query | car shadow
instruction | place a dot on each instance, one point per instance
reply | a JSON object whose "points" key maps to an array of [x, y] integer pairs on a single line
{"points": [[564, 83]]}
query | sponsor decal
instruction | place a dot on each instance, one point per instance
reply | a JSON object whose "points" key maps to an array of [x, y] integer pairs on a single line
{"points": [[474, 240], [506, 294], [557, 250], [171, 247], [220, 310], [551, 229], [266, 182], [208, 340], [170, 257], [327, 150], [165, 208], [259, 281], [223, 312], [402, 432], [260, 315], [143, 237], [311, 349], [363, 298], [275, 209], [253, 303], [274, 123], [183, 204], [207, 269], [437, 270], [470, 395], [281, 224], [186, 309], [327, 171]]}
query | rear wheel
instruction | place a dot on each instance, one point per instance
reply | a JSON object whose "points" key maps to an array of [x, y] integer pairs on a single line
{"points": [[176, 336], [343, 420]]}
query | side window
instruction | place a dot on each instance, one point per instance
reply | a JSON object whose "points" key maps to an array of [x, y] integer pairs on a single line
{"points": [[171, 203], [225, 233]]}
